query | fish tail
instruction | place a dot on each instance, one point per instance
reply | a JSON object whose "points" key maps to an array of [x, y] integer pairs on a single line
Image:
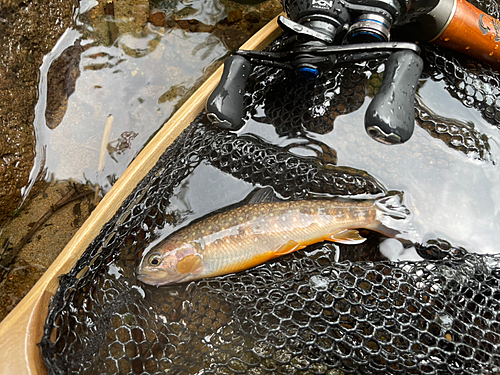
{"points": [[392, 216], [392, 206]]}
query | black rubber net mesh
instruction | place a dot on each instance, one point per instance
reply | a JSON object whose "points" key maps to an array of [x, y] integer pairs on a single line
{"points": [[315, 311]]}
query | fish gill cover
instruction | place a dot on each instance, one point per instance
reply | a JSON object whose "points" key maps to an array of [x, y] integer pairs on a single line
{"points": [[315, 311]]}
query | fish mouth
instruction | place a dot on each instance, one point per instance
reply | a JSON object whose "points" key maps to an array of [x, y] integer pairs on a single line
{"points": [[159, 277]]}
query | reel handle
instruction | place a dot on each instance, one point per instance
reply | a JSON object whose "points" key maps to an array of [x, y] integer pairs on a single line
{"points": [[390, 116], [225, 105]]}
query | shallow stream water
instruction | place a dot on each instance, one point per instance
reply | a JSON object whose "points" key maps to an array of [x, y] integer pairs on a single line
{"points": [[450, 185], [127, 70], [109, 83]]}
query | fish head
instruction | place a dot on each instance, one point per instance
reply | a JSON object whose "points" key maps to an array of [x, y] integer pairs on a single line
{"points": [[169, 263]]}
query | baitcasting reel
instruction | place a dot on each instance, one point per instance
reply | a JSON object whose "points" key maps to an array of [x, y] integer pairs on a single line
{"points": [[328, 33]]}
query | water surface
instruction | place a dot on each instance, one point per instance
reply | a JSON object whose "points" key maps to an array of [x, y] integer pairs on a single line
{"points": [[125, 69]]}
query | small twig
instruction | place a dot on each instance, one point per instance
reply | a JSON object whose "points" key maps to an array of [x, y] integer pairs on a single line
{"points": [[102, 154]]}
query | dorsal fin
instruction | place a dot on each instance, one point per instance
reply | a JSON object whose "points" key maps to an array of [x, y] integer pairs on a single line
{"points": [[261, 195]]}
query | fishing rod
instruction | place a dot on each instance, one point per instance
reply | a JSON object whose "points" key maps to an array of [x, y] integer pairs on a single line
{"points": [[327, 33]]}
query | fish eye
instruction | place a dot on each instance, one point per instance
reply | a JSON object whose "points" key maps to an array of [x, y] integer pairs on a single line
{"points": [[154, 259]]}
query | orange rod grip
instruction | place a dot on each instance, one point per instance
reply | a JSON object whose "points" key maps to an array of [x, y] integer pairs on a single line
{"points": [[473, 33]]}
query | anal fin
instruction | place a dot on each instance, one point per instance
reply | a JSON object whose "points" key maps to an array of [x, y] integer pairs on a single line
{"points": [[348, 236], [288, 248]]}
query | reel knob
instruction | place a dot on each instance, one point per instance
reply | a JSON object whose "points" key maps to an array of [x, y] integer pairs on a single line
{"points": [[225, 104], [390, 117]]}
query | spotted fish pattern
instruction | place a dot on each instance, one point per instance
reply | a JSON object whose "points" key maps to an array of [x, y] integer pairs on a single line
{"points": [[252, 234]]}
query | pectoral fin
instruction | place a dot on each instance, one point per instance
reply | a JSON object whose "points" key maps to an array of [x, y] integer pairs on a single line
{"points": [[348, 236], [190, 264]]}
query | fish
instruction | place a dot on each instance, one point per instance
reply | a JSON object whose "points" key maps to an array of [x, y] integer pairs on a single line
{"points": [[249, 235]]}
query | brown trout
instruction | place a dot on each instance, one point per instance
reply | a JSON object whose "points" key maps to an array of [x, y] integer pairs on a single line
{"points": [[249, 235]]}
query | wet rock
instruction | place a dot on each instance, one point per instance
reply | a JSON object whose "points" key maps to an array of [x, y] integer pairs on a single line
{"points": [[241, 22], [202, 28], [18, 275], [15, 286], [131, 15], [157, 17], [171, 23], [234, 16], [193, 25], [233, 38], [252, 17], [183, 24], [30, 31], [61, 82]]}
